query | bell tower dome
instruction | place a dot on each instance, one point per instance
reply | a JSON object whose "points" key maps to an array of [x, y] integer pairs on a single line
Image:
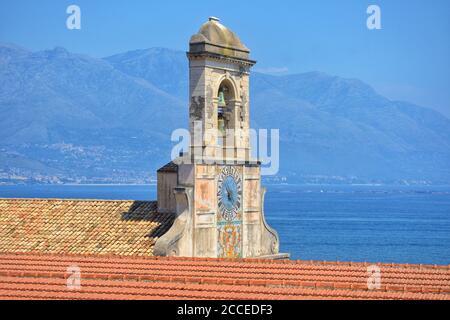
{"points": [[219, 66]]}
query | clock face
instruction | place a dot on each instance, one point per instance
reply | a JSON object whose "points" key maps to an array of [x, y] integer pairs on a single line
{"points": [[229, 193]]}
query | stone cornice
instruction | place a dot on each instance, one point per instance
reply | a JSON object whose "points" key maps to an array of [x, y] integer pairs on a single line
{"points": [[220, 57]]}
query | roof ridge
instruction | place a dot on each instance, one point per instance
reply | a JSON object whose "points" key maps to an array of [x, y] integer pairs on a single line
{"points": [[239, 260]]}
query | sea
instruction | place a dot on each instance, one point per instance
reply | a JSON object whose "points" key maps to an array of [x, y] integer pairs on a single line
{"points": [[373, 223]]}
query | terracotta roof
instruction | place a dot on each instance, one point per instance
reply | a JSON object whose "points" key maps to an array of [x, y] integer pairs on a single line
{"points": [[81, 226], [30, 276]]}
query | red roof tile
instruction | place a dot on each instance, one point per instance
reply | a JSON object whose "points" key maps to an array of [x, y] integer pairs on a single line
{"points": [[43, 276]]}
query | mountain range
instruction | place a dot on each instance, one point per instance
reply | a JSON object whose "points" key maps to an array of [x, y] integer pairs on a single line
{"points": [[67, 117]]}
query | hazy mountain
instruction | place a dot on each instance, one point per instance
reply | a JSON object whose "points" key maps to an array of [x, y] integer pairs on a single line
{"points": [[338, 126], [54, 98], [70, 116], [51, 94], [164, 67]]}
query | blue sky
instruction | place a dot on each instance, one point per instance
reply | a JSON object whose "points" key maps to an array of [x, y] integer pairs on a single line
{"points": [[408, 59]]}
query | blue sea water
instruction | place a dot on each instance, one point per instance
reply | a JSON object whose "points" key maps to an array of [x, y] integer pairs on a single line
{"points": [[348, 223]]}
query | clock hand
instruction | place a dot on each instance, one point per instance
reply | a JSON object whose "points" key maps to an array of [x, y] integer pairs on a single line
{"points": [[227, 187]]}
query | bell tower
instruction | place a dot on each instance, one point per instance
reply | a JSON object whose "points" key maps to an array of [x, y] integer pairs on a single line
{"points": [[219, 121], [214, 190]]}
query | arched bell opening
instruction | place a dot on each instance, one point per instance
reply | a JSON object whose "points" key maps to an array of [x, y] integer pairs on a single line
{"points": [[225, 105]]}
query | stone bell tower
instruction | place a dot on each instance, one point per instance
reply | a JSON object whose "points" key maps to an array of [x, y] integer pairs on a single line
{"points": [[215, 190], [219, 67]]}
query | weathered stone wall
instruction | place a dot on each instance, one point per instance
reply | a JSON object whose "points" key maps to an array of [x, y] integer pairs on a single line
{"points": [[206, 76], [167, 181], [199, 228], [205, 207]]}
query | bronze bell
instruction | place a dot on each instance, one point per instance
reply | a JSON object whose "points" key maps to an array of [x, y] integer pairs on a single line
{"points": [[222, 102], [221, 124]]}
